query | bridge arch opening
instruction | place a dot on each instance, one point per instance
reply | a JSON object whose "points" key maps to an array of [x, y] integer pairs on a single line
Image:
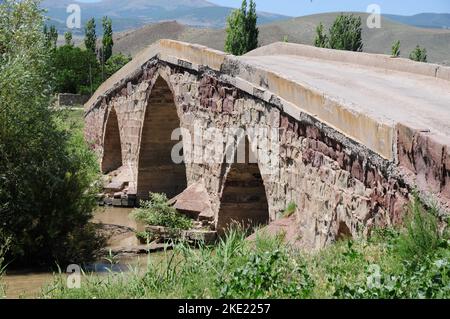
{"points": [[157, 172], [244, 200], [112, 152]]}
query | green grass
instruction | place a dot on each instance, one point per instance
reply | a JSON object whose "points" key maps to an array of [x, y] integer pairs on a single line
{"points": [[384, 266]]}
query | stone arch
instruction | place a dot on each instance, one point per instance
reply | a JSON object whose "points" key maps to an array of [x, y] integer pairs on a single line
{"points": [[157, 172], [244, 199], [112, 146]]}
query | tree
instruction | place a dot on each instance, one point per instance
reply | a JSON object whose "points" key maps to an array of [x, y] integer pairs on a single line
{"points": [[321, 39], [344, 34], [90, 40], [75, 70], [242, 31], [47, 175], [419, 54], [115, 63], [107, 40], [395, 52], [68, 38], [251, 27], [51, 37]]}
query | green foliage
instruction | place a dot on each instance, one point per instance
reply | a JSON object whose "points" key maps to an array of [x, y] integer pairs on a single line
{"points": [[419, 54], [251, 27], [51, 36], [115, 63], [267, 274], [344, 34], [268, 268], [90, 40], [75, 70], [235, 268], [242, 31], [395, 49], [290, 210], [47, 174], [321, 40], [68, 38], [286, 39], [420, 238], [107, 40], [158, 212]]}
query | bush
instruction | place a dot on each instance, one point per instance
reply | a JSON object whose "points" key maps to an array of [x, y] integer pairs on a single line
{"points": [[321, 40], [115, 63], [420, 238], [290, 210], [419, 54], [395, 52], [157, 212], [344, 34], [47, 175], [267, 274]]}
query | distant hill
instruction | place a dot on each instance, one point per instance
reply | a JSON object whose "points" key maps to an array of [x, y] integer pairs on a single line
{"points": [[424, 20], [132, 14], [297, 30]]}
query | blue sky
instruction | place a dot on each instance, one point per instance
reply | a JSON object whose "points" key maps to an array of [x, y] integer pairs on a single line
{"points": [[305, 7]]}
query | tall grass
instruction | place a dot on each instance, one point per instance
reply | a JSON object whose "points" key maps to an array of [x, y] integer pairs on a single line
{"points": [[420, 238], [380, 267]]}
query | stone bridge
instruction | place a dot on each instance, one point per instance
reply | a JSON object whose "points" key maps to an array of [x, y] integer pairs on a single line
{"points": [[346, 136]]}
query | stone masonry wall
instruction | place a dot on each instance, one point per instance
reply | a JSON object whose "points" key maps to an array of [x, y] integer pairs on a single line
{"points": [[333, 180]]}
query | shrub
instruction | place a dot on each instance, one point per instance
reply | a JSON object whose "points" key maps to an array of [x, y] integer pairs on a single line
{"points": [[321, 40], [47, 175], [420, 238], [115, 63], [158, 212], [290, 210], [267, 274], [419, 54], [345, 34], [395, 52]]}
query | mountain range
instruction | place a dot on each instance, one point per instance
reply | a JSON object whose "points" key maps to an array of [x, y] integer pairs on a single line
{"points": [[297, 30], [424, 20], [131, 14]]}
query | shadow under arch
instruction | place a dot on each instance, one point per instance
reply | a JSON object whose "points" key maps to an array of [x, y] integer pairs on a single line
{"points": [[244, 200], [112, 147], [157, 172]]}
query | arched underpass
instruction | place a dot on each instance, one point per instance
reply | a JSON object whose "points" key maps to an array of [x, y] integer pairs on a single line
{"points": [[157, 172], [243, 200], [112, 154]]}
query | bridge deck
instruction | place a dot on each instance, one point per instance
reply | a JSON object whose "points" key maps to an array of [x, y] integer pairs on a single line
{"points": [[390, 97]]}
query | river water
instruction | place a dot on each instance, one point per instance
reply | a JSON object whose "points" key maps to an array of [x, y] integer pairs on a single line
{"points": [[29, 283]]}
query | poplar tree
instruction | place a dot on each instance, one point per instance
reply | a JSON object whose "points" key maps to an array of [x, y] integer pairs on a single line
{"points": [[107, 39], [242, 30], [90, 40]]}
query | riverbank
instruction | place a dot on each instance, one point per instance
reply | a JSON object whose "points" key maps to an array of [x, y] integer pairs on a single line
{"points": [[120, 231]]}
